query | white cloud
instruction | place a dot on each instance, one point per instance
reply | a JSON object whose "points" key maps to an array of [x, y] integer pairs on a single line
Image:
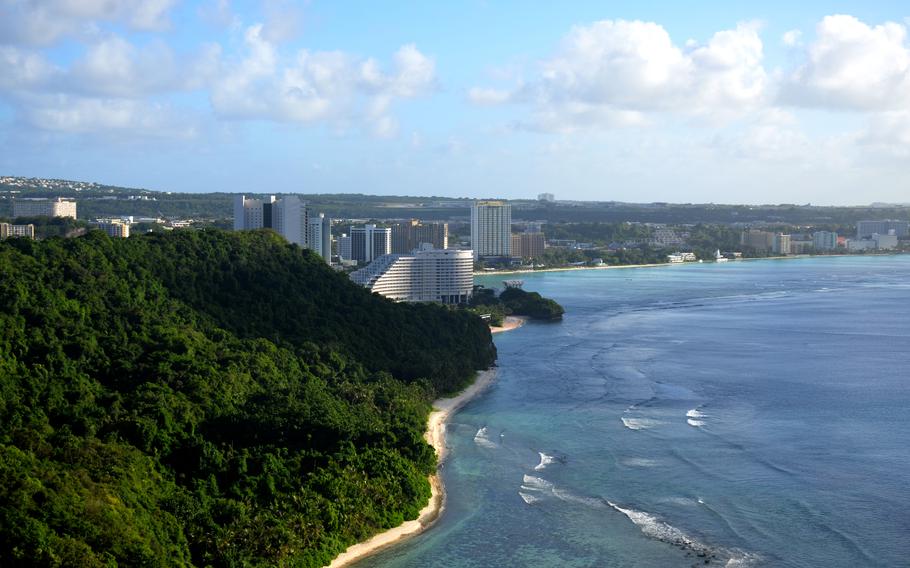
{"points": [[44, 22], [771, 135], [792, 38], [888, 132], [484, 96], [615, 72], [851, 65], [83, 115], [318, 85]]}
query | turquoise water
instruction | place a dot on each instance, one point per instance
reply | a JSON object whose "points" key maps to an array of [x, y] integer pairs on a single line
{"points": [[739, 414]]}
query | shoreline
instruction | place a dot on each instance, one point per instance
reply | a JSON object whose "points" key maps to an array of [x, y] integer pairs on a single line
{"points": [[443, 409], [659, 264], [509, 323]]}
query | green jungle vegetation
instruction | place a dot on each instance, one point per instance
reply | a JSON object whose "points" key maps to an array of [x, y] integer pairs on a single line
{"points": [[203, 398], [514, 301]]}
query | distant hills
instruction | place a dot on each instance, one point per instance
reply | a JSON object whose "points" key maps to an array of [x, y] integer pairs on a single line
{"points": [[98, 200]]}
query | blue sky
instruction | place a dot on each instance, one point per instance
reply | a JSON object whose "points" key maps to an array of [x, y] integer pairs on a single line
{"points": [[636, 101]]}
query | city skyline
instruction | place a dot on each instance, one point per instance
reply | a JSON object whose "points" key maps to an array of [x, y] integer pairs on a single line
{"points": [[631, 102]]}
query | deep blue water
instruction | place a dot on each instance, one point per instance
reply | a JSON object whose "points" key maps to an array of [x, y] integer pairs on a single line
{"points": [[755, 413]]}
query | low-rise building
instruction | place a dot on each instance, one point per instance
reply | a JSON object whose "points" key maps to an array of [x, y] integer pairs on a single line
{"points": [[885, 242], [528, 245], [761, 241], [428, 275], [8, 230], [114, 228], [681, 257], [859, 245]]}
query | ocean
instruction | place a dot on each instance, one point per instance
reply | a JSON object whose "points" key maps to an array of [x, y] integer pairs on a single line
{"points": [[738, 414]]}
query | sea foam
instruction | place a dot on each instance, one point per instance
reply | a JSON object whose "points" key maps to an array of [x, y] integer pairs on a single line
{"points": [[639, 423], [545, 460], [695, 423], [657, 529], [481, 438]]}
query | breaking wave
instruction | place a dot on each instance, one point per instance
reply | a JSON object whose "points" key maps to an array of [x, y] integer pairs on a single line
{"points": [[481, 438], [639, 423], [528, 498]]}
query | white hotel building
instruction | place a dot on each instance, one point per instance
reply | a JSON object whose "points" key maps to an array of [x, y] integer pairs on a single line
{"points": [[491, 229], [35, 207], [427, 275]]}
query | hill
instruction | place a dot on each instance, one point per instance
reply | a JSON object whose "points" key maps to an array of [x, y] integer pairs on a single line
{"points": [[210, 399]]}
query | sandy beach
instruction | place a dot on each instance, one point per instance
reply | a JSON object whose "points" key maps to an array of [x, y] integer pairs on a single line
{"points": [[570, 268], [509, 323], [435, 435]]}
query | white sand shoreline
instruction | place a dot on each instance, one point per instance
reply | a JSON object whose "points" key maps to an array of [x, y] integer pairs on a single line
{"points": [[509, 323], [443, 409], [659, 264]]}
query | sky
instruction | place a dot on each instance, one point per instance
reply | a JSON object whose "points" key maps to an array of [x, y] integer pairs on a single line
{"points": [[688, 102]]}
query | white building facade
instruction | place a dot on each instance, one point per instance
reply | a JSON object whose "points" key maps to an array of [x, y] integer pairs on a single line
{"points": [[319, 236], [429, 275], [491, 229], [58, 207]]}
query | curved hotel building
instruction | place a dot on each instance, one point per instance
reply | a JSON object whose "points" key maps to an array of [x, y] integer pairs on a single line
{"points": [[428, 275]]}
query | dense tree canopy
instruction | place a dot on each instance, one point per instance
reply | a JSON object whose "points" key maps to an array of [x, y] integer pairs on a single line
{"points": [[210, 398]]}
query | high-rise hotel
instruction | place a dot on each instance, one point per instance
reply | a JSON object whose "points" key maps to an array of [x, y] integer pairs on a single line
{"points": [[289, 217], [491, 229]]}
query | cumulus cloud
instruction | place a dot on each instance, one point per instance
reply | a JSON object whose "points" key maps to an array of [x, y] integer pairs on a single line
{"points": [[318, 85], [852, 65], [44, 22], [84, 115], [792, 38], [770, 135], [888, 132], [613, 71], [485, 96]]}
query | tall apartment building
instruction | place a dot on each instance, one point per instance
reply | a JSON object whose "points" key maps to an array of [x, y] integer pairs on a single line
{"points": [[57, 207], [290, 219], [23, 231], [319, 236], [759, 240], [345, 250], [115, 228], [865, 229], [369, 242], [548, 197], [491, 229], [410, 235], [781, 244], [824, 240], [427, 275], [251, 213], [528, 245]]}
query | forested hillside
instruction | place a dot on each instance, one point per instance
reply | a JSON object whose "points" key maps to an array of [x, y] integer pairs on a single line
{"points": [[209, 398]]}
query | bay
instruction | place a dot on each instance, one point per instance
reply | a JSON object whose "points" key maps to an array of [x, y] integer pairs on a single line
{"points": [[737, 414]]}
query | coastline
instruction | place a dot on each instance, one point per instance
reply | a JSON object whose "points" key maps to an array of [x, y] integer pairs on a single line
{"points": [[443, 409], [658, 264], [509, 323]]}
